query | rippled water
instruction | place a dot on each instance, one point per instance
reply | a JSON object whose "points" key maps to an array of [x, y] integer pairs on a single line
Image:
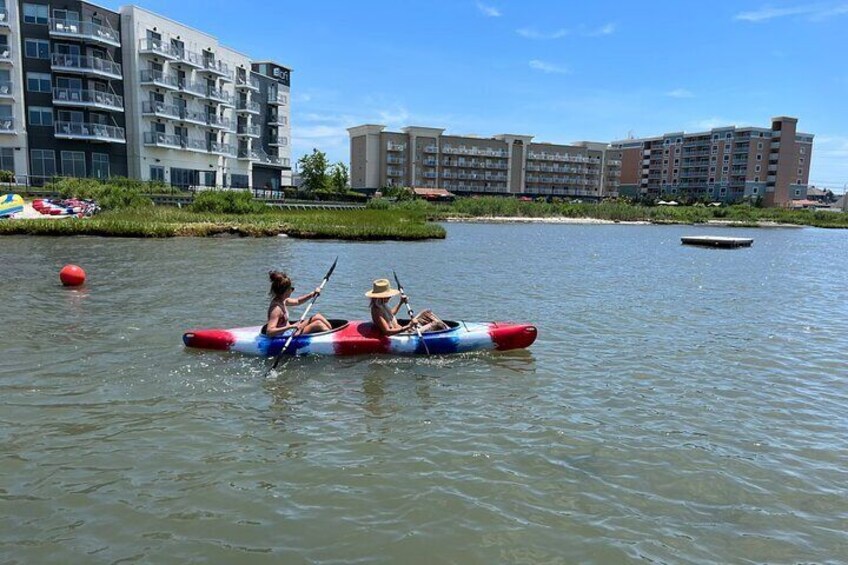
{"points": [[681, 404]]}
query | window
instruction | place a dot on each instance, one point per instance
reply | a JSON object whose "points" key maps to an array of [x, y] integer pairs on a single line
{"points": [[66, 15], [759, 157], [37, 48], [209, 178], [40, 116], [36, 14], [726, 158], [712, 169], [100, 165], [801, 161], [7, 159], [674, 171], [73, 164], [677, 161], [798, 191], [715, 149], [729, 136], [713, 159], [760, 145], [800, 172], [715, 137], [755, 190], [712, 180], [757, 169], [157, 173], [677, 151], [756, 179], [724, 169], [665, 161], [43, 163], [801, 150], [38, 82], [239, 181]]}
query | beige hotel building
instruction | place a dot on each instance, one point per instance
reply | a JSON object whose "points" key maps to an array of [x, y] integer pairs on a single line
{"points": [[724, 164], [508, 164]]}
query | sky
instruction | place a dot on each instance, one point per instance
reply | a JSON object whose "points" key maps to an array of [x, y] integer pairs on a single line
{"points": [[561, 71]]}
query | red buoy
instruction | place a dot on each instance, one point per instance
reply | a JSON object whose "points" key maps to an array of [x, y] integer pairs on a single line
{"points": [[71, 275]]}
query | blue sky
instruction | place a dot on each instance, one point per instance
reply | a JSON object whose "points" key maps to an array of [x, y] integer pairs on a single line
{"points": [[559, 70]]}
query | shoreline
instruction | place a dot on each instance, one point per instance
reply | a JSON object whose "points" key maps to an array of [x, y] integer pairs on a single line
{"points": [[600, 221]]}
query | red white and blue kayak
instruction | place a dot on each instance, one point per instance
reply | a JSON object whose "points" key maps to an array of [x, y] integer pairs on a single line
{"points": [[357, 338]]}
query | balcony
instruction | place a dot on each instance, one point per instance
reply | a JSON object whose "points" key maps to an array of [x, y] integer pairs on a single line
{"points": [[4, 17], [217, 68], [159, 110], [248, 131], [89, 131], [6, 54], [261, 157], [395, 160], [431, 149], [215, 121], [6, 89], [248, 83], [169, 141], [219, 95], [158, 47], [7, 125], [390, 146], [87, 31], [157, 78], [278, 98], [86, 65], [247, 107], [87, 99], [197, 89], [218, 148], [278, 120], [187, 58], [392, 172], [278, 141]]}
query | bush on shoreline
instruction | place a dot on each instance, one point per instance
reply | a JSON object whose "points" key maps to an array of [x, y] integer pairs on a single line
{"points": [[110, 196], [226, 202]]}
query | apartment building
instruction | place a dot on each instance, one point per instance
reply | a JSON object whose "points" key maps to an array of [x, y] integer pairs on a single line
{"points": [[199, 111], [724, 164], [504, 164], [73, 90], [90, 92], [13, 134]]}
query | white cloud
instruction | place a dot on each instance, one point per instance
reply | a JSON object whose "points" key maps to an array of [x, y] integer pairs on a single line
{"points": [[607, 29], [680, 93], [488, 11], [531, 33], [546, 67], [813, 12]]}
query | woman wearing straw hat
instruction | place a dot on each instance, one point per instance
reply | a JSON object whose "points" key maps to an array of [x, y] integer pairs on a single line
{"points": [[384, 316]]}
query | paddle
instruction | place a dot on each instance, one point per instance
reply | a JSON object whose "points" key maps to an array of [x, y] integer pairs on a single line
{"points": [[409, 311], [303, 316]]}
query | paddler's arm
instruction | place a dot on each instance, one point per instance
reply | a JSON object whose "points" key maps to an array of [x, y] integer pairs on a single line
{"points": [[273, 328], [403, 300], [301, 299], [386, 329]]}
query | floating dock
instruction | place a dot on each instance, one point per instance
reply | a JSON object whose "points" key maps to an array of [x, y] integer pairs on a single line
{"points": [[717, 241]]}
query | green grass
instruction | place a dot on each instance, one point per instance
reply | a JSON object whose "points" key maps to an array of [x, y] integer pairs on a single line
{"points": [[164, 221], [742, 215]]}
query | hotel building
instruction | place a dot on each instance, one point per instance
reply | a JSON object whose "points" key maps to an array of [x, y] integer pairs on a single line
{"points": [[506, 164], [132, 93], [726, 163]]}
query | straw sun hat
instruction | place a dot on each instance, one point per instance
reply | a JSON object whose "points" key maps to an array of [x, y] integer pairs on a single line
{"points": [[382, 288]]}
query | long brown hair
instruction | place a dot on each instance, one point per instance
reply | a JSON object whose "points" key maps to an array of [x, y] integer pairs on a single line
{"points": [[280, 283]]}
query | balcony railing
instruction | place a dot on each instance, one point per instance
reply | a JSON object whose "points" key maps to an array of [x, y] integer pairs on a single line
{"points": [[160, 109], [5, 54], [247, 106], [278, 98], [195, 88], [250, 131], [4, 17], [88, 98], [174, 141], [218, 68], [158, 78], [85, 64], [248, 82], [84, 30], [220, 148], [216, 121], [156, 47], [390, 146], [278, 140], [7, 125], [90, 131], [278, 120], [5, 89], [262, 157], [183, 55], [219, 95]]}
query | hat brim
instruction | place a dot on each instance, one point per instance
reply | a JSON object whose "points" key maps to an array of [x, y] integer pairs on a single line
{"points": [[387, 294]]}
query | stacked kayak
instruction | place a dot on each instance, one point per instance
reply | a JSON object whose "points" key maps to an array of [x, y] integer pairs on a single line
{"points": [[11, 204], [65, 207], [357, 338]]}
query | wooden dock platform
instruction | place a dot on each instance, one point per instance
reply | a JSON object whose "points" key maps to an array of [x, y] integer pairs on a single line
{"points": [[717, 241]]}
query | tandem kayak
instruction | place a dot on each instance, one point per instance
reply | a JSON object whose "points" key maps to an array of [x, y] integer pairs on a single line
{"points": [[357, 338]]}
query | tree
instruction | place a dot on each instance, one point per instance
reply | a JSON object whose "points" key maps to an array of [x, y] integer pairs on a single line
{"points": [[339, 177], [313, 171]]}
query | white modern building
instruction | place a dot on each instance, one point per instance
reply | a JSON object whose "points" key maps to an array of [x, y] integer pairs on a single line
{"points": [[13, 133]]}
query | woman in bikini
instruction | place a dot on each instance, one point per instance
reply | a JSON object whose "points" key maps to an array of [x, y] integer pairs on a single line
{"points": [[278, 313], [384, 316]]}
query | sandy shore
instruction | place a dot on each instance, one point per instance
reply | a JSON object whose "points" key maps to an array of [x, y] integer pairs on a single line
{"points": [[598, 221]]}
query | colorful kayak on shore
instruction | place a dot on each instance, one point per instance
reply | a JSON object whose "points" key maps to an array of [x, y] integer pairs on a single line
{"points": [[358, 338], [11, 204]]}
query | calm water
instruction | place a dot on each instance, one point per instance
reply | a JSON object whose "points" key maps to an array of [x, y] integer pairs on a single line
{"points": [[680, 405]]}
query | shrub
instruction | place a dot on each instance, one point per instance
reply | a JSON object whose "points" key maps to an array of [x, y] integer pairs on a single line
{"points": [[109, 196], [7, 176], [227, 202]]}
